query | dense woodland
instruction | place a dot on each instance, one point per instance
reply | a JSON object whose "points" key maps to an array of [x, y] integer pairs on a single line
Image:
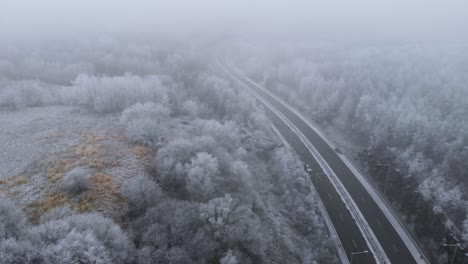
{"points": [[220, 188], [407, 105]]}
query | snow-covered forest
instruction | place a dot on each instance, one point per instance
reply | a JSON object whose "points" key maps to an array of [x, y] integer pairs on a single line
{"points": [[212, 183], [405, 105], [234, 131]]}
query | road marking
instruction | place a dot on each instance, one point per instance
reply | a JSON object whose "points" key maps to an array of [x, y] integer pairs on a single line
{"points": [[329, 195], [396, 250], [341, 217], [379, 222], [354, 243], [331, 228]]}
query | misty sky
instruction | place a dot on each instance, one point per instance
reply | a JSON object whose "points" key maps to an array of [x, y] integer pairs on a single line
{"points": [[370, 19]]}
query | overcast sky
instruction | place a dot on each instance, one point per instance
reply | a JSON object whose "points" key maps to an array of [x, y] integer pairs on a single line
{"points": [[403, 19]]}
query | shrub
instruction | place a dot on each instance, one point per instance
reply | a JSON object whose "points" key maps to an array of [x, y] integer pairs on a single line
{"points": [[76, 181], [78, 247], [13, 251], [13, 221], [111, 94], [229, 258], [98, 231], [201, 173], [141, 193], [28, 93], [56, 214], [144, 122]]}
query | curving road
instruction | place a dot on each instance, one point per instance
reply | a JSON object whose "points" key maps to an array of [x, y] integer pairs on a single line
{"points": [[396, 246]]}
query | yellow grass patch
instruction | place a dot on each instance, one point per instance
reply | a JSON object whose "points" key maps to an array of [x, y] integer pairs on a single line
{"points": [[91, 152], [87, 154], [103, 183], [120, 137], [140, 151], [92, 138], [87, 150], [19, 181], [103, 193], [14, 181], [57, 169], [90, 155], [43, 206]]}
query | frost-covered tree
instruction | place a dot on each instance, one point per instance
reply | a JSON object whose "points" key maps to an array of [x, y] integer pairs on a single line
{"points": [[84, 228], [229, 258], [401, 103], [145, 123], [206, 196], [141, 193], [78, 247], [170, 223], [109, 94], [201, 175], [232, 222], [295, 190], [14, 251], [171, 157], [13, 221], [56, 214]]}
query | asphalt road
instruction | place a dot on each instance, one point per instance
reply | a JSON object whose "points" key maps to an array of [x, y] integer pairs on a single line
{"points": [[347, 230], [345, 226]]}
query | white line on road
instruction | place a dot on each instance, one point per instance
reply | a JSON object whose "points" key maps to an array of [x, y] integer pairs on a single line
{"points": [[331, 229], [378, 222], [368, 235], [354, 243], [341, 252]]}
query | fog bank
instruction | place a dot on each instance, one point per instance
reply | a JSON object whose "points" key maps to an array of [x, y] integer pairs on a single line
{"points": [[317, 20]]}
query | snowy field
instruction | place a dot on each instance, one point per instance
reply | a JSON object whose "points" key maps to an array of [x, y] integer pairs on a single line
{"points": [[32, 134], [41, 144]]}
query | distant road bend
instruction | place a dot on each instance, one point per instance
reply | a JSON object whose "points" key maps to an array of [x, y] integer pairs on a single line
{"points": [[368, 231]]}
